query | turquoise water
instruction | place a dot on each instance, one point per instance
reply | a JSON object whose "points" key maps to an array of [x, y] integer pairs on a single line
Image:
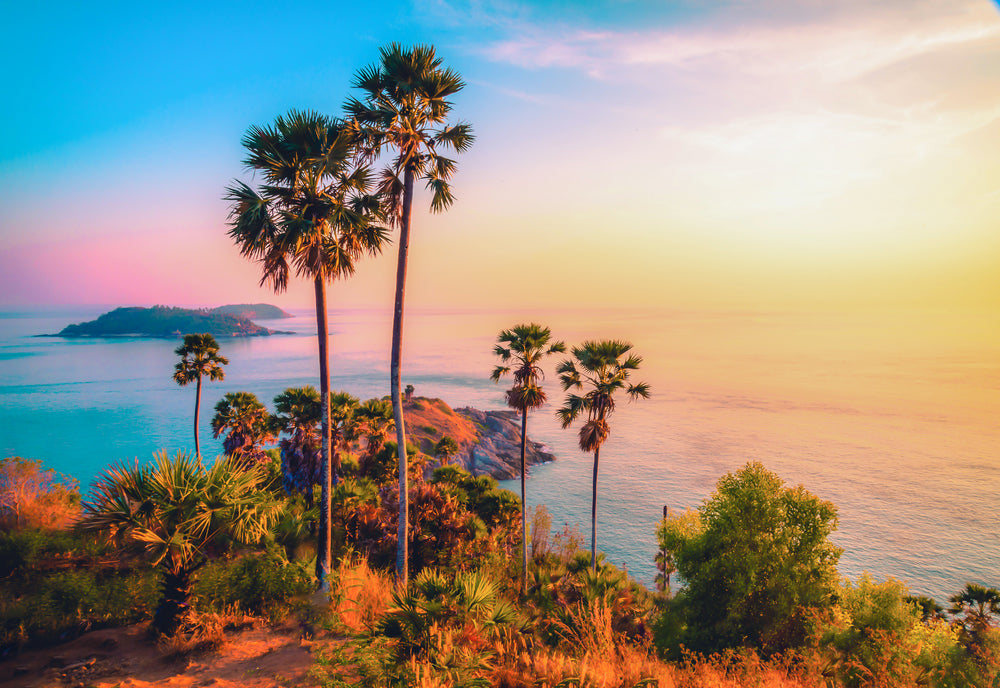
{"points": [[893, 417]]}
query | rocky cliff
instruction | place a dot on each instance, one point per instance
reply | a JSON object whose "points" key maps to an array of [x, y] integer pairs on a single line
{"points": [[489, 442], [498, 451]]}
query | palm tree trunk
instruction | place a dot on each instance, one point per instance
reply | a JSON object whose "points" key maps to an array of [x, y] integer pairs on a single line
{"points": [[323, 560], [197, 410], [524, 505], [593, 516], [174, 603], [402, 548]]}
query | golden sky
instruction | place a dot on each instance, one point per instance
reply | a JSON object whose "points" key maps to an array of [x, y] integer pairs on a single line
{"points": [[736, 154]]}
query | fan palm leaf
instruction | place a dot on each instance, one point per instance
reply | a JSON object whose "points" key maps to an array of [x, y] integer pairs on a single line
{"points": [[599, 369], [315, 214], [403, 108]]}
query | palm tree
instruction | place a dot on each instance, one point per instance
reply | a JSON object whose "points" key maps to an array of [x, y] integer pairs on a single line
{"points": [[343, 425], [375, 421], [199, 357], [247, 425], [600, 367], [181, 510], [297, 413], [445, 449], [526, 346], [313, 214], [404, 107], [976, 608]]}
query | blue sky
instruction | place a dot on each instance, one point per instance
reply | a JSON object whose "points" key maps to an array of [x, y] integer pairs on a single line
{"points": [[728, 153]]}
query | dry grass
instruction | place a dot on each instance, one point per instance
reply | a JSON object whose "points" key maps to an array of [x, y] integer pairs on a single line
{"points": [[361, 596], [204, 631], [626, 666]]}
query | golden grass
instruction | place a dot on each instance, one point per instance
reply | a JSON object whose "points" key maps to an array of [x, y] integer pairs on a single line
{"points": [[361, 595]]}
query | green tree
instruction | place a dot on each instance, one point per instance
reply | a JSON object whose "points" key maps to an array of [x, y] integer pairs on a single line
{"points": [[375, 421], [602, 369], [404, 107], [521, 350], [445, 449], [247, 425], [31, 496], [977, 609], [199, 357], [758, 555], [297, 413], [181, 512], [314, 215], [344, 425]]}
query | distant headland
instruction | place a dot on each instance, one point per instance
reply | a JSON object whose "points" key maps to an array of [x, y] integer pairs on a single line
{"points": [[168, 321]]}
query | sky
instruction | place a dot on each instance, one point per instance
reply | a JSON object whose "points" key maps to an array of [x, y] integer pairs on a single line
{"points": [[690, 154]]}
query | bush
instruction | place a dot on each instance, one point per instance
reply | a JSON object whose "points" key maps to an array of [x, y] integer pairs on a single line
{"points": [[34, 498], [259, 583], [23, 549], [756, 558], [60, 606], [876, 632]]}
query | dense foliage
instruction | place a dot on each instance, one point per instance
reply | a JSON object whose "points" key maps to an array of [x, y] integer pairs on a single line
{"points": [[165, 321], [755, 559]]}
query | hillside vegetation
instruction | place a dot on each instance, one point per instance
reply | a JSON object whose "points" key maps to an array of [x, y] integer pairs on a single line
{"points": [[166, 321]]}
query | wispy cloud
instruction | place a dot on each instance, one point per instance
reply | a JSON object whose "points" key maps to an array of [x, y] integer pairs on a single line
{"points": [[832, 49]]}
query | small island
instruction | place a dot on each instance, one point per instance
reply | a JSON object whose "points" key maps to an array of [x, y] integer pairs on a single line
{"points": [[253, 311], [168, 321]]}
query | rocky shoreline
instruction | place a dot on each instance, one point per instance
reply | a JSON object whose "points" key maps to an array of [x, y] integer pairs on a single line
{"points": [[498, 451]]}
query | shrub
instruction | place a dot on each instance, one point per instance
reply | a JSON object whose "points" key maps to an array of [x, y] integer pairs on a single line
{"points": [[31, 497], [257, 583], [59, 606]]}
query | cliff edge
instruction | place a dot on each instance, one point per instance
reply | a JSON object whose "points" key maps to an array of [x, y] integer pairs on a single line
{"points": [[489, 442]]}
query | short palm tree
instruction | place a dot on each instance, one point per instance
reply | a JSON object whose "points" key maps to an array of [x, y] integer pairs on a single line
{"points": [[404, 107], [199, 357], [181, 512], [375, 422], [297, 414], [521, 350], [602, 368], [314, 215], [977, 608], [343, 425], [247, 425], [445, 449]]}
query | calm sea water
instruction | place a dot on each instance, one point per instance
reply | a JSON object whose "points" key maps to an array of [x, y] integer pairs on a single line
{"points": [[893, 417]]}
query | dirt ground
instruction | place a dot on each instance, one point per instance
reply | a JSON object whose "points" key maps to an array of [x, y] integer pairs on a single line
{"points": [[261, 657]]}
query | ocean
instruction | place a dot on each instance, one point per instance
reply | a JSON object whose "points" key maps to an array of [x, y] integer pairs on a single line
{"points": [[894, 417]]}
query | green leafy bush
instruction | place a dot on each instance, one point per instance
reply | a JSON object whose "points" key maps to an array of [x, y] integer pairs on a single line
{"points": [[755, 560], [259, 583], [59, 606]]}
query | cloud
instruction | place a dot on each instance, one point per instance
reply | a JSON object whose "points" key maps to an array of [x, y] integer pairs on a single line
{"points": [[849, 45]]}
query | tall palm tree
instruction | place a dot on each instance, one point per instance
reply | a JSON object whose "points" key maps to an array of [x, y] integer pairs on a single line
{"points": [[181, 510], [247, 425], [525, 346], [313, 214], [404, 107], [598, 367], [298, 411], [199, 357]]}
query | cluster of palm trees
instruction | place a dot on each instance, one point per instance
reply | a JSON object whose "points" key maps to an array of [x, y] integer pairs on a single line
{"points": [[321, 207], [591, 377]]}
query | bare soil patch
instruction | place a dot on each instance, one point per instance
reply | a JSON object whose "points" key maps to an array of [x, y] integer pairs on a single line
{"points": [[262, 657]]}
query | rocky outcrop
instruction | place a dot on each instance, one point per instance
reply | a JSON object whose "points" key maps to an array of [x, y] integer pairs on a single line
{"points": [[498, 449]]}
